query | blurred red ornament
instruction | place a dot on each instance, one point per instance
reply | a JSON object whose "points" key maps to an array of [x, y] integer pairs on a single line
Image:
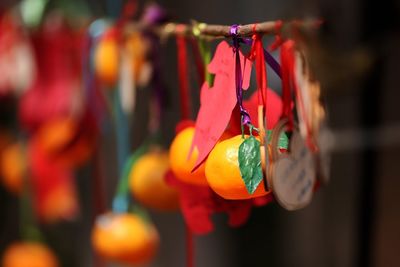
{"points": [[273, 108], [198, 203], [68, 141], [53, 187], [55, 91]]}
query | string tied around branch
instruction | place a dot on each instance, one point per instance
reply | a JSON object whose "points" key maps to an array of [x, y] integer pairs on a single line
{"points": [[245, 117], [278, 36]]}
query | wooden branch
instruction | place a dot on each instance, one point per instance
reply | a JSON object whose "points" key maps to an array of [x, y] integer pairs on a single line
{"points": [[268, 27], [223, 31]]}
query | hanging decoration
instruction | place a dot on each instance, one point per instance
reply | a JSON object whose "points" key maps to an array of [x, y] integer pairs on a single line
{"points": [[247, 147]]}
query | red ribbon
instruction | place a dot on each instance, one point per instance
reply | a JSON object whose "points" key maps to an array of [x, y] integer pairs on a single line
{"points": [[257, 53], [287, 67], [185, 115], [189, 247], [289, 84], [278, 37], [183, 77], [128, 11]]}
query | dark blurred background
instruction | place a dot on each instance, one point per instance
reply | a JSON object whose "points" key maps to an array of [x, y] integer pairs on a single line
{"points": [[355, 219]]}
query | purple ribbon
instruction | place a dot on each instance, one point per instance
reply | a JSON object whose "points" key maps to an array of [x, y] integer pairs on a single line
{"points": [[268, 58], [238, 74]]}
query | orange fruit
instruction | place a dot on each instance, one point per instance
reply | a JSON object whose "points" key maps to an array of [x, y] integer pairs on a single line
{"points": [[29, 254], [106, 60], [147, 182], [181, 165], [124, 238], [12, 167], [223, 173], [60, 202]]}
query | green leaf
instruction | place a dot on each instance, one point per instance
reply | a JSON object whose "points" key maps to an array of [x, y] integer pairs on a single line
{"points": [[283, 140], [250, 163]]}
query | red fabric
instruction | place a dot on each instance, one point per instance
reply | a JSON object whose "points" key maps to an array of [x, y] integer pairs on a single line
{"points": [[189, 247], [199, 203], [53, 187]]}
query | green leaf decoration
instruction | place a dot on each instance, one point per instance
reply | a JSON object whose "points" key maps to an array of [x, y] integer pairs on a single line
{"points": [[250, 163], [283, 140]]}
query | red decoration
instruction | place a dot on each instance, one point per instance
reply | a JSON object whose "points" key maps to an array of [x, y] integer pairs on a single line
{"points": [[198, 203], [273, 111], [53, 187], [55, 92], [218, 102]]}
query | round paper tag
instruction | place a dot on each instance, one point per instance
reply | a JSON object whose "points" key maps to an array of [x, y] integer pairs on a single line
{"points": [[293, 176]]}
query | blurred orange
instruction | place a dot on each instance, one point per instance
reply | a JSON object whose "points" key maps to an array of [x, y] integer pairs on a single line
{"points": [[181, 165], [125, 238], [12, 167], [137, 48], [106, 60], [60, 202], [147, 182], [29, 254], [223, 173]]}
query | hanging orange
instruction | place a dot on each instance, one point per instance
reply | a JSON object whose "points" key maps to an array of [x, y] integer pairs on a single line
{"points": [[137, 46], [29, 254], [181, 165], [147, 182], [12, 167], [106, 60], [125, 238], [223, 173]]}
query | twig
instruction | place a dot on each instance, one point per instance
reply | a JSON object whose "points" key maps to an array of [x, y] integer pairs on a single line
{"points": [[221, 31]]}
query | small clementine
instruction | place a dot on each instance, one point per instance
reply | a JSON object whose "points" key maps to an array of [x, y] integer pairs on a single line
{"points": [[181, 165], [125, 238], [137, 47], [147, 182], [12, 167], [223, 173], [29, 254], [106, 60]]}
